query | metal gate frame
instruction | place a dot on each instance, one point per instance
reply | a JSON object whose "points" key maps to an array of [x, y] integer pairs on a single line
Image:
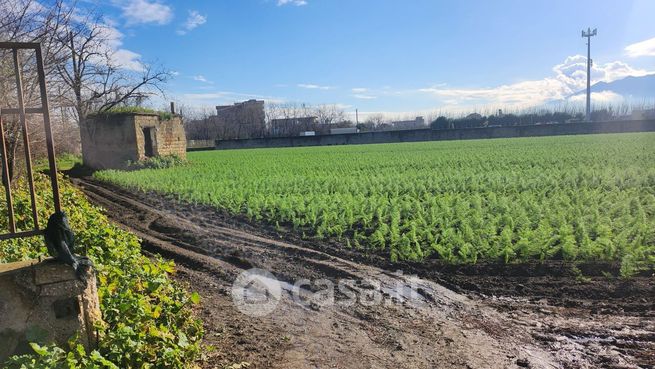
{"points": [[22, 111]]}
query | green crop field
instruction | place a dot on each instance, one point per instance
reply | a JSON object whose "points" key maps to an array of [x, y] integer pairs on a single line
{"points": [[578, 198]]}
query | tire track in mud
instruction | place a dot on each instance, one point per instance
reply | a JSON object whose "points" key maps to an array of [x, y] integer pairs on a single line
{"points": [[433, 328]]}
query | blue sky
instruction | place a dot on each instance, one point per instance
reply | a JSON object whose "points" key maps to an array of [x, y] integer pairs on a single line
{"points": [[399, 57]]}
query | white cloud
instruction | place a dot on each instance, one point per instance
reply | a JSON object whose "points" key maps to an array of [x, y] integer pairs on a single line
{"points": [[145, 11], [389, 116], [569, 78], [523, 93], [201, 78], [14, 6], [194, 20], [206, 96], [603, 97], [311, 86], [109, 38], [359, 90], [291, 2], [643, 48], [127, 59], [573, 72], [364, 97], [112, 42], [226, 97], [343, 106]]}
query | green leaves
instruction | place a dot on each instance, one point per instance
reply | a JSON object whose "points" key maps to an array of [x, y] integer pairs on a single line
{"points": [[195, 298], [147, 317]]}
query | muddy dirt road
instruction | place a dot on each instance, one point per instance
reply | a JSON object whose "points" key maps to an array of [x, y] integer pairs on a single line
{"points": [[378, 317]]}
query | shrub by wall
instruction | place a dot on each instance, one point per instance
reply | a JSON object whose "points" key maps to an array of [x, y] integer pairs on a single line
{"points": [[147, 316]]}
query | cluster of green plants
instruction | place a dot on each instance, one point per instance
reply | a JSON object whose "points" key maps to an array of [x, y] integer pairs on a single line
{"points": [[117, 110], [147, 317], [65, 161], [574, 198], [156, 162]]}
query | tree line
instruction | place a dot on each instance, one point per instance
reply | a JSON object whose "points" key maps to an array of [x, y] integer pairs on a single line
{"points": [[534, 117]]}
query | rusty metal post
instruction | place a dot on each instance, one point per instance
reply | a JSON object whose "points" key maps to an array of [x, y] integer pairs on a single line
{"points": [[22, 111], [48, 129], [7, 179], [26, 139]]}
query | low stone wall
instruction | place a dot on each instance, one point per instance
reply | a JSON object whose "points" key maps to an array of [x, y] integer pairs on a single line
{"points": [[199, 145], [45, 302], [442, 135]]}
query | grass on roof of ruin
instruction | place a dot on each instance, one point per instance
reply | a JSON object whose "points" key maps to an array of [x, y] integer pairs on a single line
{"points": [[118, 110]]}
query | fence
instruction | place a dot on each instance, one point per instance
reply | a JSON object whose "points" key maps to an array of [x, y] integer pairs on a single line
{"points": [[416, 135]]}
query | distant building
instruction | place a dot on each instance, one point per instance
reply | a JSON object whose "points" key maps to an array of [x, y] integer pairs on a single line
{"points": [[417, 123], [342, 131], [241, 111], [643, 114], [293, 126], [240, 120]]}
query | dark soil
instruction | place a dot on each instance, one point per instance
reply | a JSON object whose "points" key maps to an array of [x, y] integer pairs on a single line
{"points": [[538, 315]]}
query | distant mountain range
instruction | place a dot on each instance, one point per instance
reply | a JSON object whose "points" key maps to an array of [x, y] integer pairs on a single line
{"points": [[631, 88]]}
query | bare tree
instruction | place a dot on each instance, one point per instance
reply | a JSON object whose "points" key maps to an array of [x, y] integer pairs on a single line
{"points": [[376, 120], [27, 21], [198, 124], [83, 69], [93, 74], [271, 111], [329, 114]]}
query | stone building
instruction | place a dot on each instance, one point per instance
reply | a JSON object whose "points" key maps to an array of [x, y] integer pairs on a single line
{"points": [[246, 112], [240, 120], [110, 141]]}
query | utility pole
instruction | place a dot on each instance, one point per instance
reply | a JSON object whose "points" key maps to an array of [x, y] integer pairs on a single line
{"points": [[589, 34], [357, 116]]}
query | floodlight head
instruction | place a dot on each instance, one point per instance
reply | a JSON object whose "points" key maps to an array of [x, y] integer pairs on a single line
{"points": [[589, 32]]}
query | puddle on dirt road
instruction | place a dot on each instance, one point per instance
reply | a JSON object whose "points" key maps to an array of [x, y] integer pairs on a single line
{"points": [[320, 293]]}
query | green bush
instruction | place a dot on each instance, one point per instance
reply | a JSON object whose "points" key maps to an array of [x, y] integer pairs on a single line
{"points": [[65, 161], [147, 317], [156, 162]]}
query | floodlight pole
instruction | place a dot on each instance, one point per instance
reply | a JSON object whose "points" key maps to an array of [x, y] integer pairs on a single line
{"points": [[589, 34]]}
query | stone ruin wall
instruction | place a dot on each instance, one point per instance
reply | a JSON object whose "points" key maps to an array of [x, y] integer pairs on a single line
{"points": [[110, 142], [170, 138]]}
